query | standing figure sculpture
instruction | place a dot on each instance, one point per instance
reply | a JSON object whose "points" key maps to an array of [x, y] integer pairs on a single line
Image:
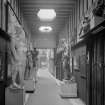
{"points": [[18, 57], [66, 67], [35, 62]]}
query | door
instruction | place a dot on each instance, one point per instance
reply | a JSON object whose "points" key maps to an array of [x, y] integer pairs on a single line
{"points": [[97, 77]]}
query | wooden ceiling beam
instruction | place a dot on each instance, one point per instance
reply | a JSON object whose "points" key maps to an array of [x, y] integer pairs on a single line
{"points": [[59, 16], [38, 4], [47, 6], [58, 13], [48, 1], [58, 19], [57, 10]]}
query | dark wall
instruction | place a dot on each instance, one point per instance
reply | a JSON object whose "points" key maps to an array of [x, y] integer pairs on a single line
{"points": [[79, 69]]}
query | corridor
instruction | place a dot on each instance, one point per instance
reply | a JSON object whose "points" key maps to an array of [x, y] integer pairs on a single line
{"points": [[64, 40], [48, 92]]}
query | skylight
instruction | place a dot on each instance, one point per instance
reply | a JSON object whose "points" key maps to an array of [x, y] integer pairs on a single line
{"points": [[46, 14]]}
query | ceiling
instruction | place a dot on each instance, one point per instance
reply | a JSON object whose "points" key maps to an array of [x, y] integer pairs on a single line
{"points": [[63, 10]]}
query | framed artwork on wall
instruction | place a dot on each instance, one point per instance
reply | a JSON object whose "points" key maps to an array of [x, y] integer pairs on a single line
{"points": [[1, 68], [76, 63], [83, 65]]}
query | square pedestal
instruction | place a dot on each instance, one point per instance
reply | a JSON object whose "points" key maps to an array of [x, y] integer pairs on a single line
{"points": [[14, 96], [68, 90], [29, 86]]}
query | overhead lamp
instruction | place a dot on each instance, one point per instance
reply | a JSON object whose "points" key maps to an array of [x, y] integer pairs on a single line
{"points": [[46, 14], [45, 28]]}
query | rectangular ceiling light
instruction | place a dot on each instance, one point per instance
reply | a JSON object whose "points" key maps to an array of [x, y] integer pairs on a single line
{"points": [[46, 14]]}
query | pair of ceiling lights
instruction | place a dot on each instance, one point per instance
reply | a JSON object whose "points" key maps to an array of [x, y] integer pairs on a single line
{"points": [[46, 15]]}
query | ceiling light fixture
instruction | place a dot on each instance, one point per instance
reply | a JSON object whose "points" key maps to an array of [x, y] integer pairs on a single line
{"points": [[46, 14], [45, 28]]}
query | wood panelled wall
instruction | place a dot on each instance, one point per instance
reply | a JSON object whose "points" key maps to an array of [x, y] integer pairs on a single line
{"points": [[81, 9], [3, 14], [79, 70], [16, 7]]}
